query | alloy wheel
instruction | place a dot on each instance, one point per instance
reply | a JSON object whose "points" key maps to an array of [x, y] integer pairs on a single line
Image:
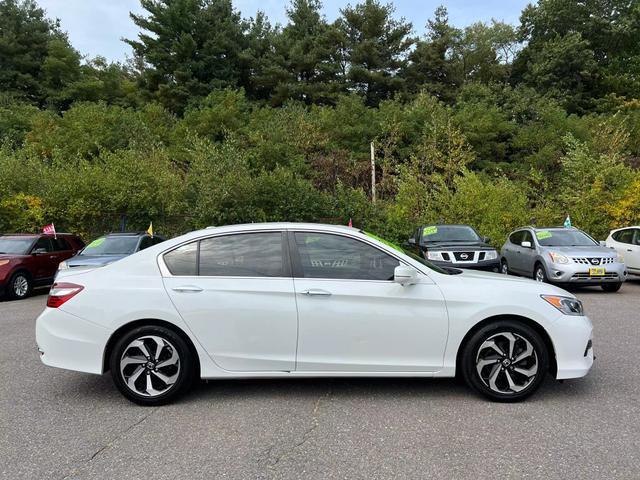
{"points": [[505, 268], [20, 286], [507, 363], [150, 366], [540, 276]]}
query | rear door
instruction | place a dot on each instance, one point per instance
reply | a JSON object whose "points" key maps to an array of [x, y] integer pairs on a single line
{"points": [[46, 259], [354, 318], [63, 249], [236, 294]]}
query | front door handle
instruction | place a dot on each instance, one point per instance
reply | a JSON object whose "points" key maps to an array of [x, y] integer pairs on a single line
{"points": [[316, 292], [187, 289]]}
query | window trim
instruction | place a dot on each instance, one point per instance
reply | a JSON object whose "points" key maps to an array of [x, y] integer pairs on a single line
{"points": [[297, 264], [286, 260]]}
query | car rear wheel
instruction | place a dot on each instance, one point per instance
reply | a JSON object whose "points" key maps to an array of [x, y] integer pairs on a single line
{"points": [[505, 361], [19, 286], [611, 287], [540, 274], [152, 365]]}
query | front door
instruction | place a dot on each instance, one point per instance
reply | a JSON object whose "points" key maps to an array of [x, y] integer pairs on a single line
{"points": [[354, 318], [238, 299], [46, 260]]}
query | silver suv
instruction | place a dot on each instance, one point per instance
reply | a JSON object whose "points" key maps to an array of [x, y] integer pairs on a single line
{"points": [[562, 255]]}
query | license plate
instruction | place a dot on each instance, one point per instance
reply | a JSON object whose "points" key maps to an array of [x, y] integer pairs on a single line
{"points": [[596, 271]]}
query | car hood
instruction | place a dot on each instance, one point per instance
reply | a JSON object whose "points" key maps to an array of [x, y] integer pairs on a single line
{"points": [[594, 251], [93, 260], [502, 284]]}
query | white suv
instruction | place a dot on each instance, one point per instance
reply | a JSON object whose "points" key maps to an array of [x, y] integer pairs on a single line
{"points": [[626, 241], [305, 300]]}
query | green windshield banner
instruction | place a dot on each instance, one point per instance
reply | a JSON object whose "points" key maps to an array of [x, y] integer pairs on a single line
{"points": [[543, 234], [426, 231]]}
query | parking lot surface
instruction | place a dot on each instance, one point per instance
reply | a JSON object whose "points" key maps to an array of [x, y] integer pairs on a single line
{"points": [[58, 425]]}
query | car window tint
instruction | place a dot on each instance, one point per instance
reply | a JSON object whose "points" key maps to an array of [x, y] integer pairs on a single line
{"points": [[516, 238], [60, 244], [527, 237], [157, 240], [183, 260], [637, 238], [43, 243], [624, 236], [146, 242], [242, 255], [334, 256]]}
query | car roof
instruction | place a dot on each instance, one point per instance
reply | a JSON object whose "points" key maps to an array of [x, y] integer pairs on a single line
{"points": [[34, 235], [125, 234]]}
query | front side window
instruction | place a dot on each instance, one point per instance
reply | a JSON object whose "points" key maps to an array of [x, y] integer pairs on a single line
{"points": [[242, 255], [146, 242], [43, 245], [325, 255], [516, 238], [527, 237], [624, 236]]}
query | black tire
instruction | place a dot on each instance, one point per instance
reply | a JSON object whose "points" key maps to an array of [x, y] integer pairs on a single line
{"points": [[471, 354], [184, 371], [611, 287], [539, 270], [504, 266], [16, 289]]}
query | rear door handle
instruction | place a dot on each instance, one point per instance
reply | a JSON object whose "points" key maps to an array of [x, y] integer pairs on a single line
{"points": [[316, 292], [187, 289]]}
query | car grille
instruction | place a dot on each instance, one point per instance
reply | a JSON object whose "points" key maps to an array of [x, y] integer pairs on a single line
{"points": [[464, 256], [586, 276], [593, 260]]}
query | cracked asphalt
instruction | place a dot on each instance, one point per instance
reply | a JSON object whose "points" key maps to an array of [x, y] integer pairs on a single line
{"points": [[64, 425]]}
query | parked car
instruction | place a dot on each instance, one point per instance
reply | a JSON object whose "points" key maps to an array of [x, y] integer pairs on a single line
{"points": [[303, 300], [626, 241], [31, 260], [562, 255], [109, 248], [455, 246]]}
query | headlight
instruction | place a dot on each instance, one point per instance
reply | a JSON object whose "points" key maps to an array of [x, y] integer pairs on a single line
{"points": [[567, 305], [491, 255], [3, 262], [437, 256], [63, 265], [558, 258]]}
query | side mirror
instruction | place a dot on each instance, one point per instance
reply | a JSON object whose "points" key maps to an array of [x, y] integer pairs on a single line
{"points": [[39, 251], [486, 239], [405, 275], [411, 241], [603, 243], [526, 244]]}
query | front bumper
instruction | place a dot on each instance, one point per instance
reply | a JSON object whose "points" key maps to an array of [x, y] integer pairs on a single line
{"points": [[579, 274], [67, 341], [573, 344], [486, 265]]}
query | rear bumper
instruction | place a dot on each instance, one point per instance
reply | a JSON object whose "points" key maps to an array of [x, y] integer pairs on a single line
{"points": [[67, 341]]}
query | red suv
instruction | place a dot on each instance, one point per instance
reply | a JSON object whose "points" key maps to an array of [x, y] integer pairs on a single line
{"points": [[31, 260]]}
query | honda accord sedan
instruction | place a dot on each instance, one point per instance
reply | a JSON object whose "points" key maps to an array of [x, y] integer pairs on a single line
{"points": [[285, 300]]}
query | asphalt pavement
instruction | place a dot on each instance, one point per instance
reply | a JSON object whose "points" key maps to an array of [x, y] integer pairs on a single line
{"points": [[56, 424]]}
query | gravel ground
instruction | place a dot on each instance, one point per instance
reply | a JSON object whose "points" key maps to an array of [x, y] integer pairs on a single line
{"points": [[56, 424]]}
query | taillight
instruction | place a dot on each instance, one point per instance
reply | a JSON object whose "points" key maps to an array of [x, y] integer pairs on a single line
{"points": [[61, 292]]}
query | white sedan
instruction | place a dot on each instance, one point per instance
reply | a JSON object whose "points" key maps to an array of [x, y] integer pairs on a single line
{"points": [[305, 300]]}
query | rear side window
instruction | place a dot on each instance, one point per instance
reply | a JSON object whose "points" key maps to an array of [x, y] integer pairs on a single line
{"points": [[60, 244], [183, 260], [242, 255], [146, 242], [325, 255]]}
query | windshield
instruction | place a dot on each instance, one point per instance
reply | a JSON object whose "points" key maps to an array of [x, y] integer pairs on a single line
{"points": [[564, 238], [449, 233], [415, 257], [115, 245], [15, 246]]}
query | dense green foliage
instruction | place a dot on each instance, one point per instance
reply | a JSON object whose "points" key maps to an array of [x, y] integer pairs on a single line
{"points": [[220, 119]]}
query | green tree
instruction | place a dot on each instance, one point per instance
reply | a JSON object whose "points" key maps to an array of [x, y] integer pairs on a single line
{"points": [[191, 47], [377, 46]]}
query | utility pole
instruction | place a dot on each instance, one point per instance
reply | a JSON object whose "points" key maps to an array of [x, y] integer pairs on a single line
{"points": [[373, 174]]}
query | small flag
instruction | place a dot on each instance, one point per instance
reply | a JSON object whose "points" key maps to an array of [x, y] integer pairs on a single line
{"points": [[350, 223], [49, 230], [567, 222], [150, 229]]}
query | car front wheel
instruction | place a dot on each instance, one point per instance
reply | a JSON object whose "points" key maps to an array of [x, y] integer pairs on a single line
{"points": [[505, 361], [152, 365], [539, 274]]}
